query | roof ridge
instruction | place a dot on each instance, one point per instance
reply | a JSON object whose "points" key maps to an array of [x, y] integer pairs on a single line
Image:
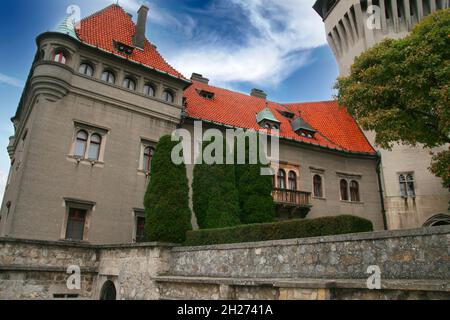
{"points": [[243, 94], [102, 10]]}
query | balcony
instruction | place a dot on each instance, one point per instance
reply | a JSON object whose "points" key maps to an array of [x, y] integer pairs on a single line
{"points": [[292, 198]]}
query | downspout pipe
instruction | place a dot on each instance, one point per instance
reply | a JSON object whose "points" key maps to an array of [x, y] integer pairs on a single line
{"points": [[380, 184]]}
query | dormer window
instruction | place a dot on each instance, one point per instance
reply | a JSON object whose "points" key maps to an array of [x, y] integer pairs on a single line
{"points": [[302, 128], [206, 94], [123, 48], [267, 120]]}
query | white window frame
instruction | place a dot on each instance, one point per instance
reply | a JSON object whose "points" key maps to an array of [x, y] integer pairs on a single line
{"points": [[406, 174], [144, 144], [90, 130]]}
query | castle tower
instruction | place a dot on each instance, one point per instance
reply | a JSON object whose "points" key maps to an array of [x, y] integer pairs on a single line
{"points": [[353, 26], [413, 196]]}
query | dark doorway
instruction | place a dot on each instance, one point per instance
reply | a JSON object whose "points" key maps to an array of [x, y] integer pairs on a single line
{"points": [[108, 291]]}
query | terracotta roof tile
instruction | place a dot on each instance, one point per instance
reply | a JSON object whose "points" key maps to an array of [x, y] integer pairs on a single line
{"points": [[336, 129], [113, 24]]}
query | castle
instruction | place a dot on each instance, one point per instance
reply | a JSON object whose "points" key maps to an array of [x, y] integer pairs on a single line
{"points": [[412, 195], [98, 98]]}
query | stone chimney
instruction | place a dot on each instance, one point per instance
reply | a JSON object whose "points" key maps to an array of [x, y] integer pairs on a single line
{"points": [[258, 93], [139, 37], [198, 77]]}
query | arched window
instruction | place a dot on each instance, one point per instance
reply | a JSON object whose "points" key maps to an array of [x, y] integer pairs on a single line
{"points": [[148, 155], [354, 191], [94, 147], [318, 187], [86, 69], [281, 179], [149, 90], [108, 76], [292, 177], [81, 143], [344, 190], [129, 84], [168, 96], [407, 188], [60, 57]]}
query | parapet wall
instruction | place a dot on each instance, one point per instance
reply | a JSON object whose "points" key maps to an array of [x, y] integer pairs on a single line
{"points": [[413, 264], [404, 254]]}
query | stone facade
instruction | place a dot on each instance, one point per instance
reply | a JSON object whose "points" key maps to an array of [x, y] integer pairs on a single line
{"points": [[348, 35], [414, 265]]}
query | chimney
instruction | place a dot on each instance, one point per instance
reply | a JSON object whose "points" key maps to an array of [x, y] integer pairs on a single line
{"points": [[258, 93], [139, 37], [198, 77]]}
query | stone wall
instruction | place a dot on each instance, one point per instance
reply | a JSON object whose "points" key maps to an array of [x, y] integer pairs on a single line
{"points": [[414, 265], [406, 254]]}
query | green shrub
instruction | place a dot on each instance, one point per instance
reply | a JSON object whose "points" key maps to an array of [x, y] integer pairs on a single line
{"points": [[215, 197], [255, 191], [292, 229], [168, 216]]}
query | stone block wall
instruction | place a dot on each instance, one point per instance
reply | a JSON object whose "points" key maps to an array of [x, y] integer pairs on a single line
{"points": [[414, 265], [407, 254]]}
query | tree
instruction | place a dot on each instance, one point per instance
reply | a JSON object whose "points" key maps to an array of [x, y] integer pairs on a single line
{"points": [[215, 197], [401, 89], [168, 216], [255, 190]]}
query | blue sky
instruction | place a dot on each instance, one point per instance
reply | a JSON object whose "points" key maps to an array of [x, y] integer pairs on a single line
{"points": [[278, 46]]}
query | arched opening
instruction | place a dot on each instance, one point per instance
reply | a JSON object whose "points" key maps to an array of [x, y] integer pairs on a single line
{"points": [[108, 291], [438, 220]]}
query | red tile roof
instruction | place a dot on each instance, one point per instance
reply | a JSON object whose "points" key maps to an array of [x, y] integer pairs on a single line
{"points": [[114, 24], [336, 129]]}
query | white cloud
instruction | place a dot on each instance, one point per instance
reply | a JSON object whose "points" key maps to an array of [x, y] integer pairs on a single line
{"points": [[10, 81], [284, 32], [3, 178]]}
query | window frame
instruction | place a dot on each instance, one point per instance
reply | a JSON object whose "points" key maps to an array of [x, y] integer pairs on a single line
{"points": [[81, 205], [129, 83], [152, 87], [355, 195], [341, 188], [292, 178], [91, 131], [98, 144], [406, 191], [281, 177], [138, 214], [166, 94], [322, 189], [84, 141], [87, 66], [109, 73], [147, 163], [73, 221], [63, 56]]}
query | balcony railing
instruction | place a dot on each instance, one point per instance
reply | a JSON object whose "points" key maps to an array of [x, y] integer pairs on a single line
{"points": [[292, 198]]}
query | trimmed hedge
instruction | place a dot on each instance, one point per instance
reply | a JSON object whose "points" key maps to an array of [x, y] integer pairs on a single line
{"points": [[292, 229], [215, 196], [168, 216]]}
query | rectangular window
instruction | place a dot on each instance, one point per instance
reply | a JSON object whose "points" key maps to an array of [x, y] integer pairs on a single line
{"points": [[140, 229], [76, 222]]}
